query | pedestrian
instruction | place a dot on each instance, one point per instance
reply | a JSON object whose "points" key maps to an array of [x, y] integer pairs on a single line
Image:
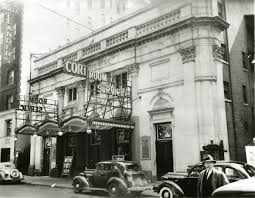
{"points": [[210, 178]]}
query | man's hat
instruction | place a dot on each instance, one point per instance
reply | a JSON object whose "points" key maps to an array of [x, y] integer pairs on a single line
{"points": [[208, 158]]}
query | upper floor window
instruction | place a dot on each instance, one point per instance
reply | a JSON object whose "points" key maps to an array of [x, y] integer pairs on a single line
{"points": [[121, 80], [9, 99], [245, 66], [72, 94], [227, 90], [10, 77], [93, 88], [224, 48], [245, 98], [221, 10], [8, 127]]}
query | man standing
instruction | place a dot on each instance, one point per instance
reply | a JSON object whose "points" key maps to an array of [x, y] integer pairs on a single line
{"points": [[210, 178]]}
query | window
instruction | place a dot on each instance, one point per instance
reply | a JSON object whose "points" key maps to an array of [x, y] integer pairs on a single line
{"points": [[245, 125], [244, 61], [72, 94], [224, 48], [245, 98], [196, 171], [9, 101], [121, 80], [231, 173], [221, 10], [8, 127], [93, 88], [10, 77], [226, 90]]}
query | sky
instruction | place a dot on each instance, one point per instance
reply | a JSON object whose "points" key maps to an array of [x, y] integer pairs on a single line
{"points": [[44, 31]]}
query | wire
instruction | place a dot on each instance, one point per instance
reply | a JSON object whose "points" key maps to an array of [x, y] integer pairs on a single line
{"points": [[55, 12]]}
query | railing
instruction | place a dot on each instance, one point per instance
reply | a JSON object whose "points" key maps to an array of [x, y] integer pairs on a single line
{"points": [[91, 49], [117, 39], [152, 26], [47, 68], [158, 23]]}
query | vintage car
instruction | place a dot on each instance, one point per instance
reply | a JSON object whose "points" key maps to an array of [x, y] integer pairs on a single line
{"points": [[116, 177], [240, 189], [8, 173], [177, 185]]}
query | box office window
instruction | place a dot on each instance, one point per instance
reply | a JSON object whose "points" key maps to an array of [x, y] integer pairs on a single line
{"points": [[72, 94]]}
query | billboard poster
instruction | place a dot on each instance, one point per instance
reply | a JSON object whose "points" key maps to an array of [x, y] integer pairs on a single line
{"points": [[250, 154]]}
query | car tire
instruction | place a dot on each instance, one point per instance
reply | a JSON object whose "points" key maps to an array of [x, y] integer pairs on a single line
{"points": [[166, 192], [116, 189], [77, 186]]}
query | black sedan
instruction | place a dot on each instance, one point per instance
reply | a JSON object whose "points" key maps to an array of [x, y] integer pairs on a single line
{"points": [[174, 184], [242, 188]]}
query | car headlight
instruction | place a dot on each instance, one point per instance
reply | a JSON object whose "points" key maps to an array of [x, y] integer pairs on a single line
{"points": [[20, 174]]}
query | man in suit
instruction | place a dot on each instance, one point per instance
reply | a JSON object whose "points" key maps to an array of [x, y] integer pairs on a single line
{"points": [[210, 178]]}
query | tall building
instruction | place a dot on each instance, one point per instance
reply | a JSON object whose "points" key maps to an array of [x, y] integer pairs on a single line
{"points": [[10, 63]]}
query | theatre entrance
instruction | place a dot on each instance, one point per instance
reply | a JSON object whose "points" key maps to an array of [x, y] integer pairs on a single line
{"points": [[164, 148]]}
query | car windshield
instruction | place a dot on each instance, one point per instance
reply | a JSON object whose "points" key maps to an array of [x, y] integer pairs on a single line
{"points": [[7, 165], [249, 169], [134, 167]]}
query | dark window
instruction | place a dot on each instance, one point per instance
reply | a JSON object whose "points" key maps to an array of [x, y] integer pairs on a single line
{"points": [[93, 88], [72, 94], [226, 90], [244, 58], [224, 48], [121, 80], [221, 10], [8, 127], [9, 99], [245, 98], [5, 154], [10, 77], [245, 125]]}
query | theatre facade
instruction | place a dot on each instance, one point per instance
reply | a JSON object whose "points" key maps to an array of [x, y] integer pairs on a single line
{"points": [[148, 88]]}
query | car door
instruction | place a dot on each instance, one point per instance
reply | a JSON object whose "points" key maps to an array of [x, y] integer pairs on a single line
{"points": [[189, 184], [232, 174], [99, 176]]}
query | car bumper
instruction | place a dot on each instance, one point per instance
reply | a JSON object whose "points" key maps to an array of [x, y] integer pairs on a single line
{"points": [[140, 188]]}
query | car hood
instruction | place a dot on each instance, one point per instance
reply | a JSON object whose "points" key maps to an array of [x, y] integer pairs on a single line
{"points": [[244, 185]]}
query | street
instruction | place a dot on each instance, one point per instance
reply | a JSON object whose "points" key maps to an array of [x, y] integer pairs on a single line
{"points": [[32, 191]]}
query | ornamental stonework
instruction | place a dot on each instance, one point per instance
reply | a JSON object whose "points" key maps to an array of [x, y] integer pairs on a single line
{"points": [[188, 54], [60, 91], [133, 69], [218, 52]]}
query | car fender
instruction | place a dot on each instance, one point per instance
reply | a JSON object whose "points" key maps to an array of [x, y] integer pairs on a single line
{"points": [[82, 180], [172, 185], [119, 180]]}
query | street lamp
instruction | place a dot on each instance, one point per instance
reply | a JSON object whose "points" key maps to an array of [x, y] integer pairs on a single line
{"points": [[60, 133], [89, 130]]}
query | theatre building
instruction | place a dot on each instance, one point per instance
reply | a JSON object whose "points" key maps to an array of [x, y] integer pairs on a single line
{"points": [[149, 88]]}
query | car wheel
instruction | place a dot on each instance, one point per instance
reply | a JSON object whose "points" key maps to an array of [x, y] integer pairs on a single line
{"points": [[77, 186], [166, 192], [116, 190]]}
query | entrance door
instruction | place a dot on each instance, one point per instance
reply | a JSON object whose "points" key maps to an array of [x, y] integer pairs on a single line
{"points": [[46, 161], [164, 149], [5, 154]]}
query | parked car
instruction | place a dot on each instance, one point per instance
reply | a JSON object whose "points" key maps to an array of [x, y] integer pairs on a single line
{"points": [[240, 189], [174, 184], [8, 173], [116, 177]]}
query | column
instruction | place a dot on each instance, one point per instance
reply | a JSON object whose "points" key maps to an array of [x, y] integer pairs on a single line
{"points": [[38, 155], [81, 94], [61, 93], [31, 167]]}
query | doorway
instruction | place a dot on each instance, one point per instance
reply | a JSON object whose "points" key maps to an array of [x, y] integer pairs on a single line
{"points": [[5, 154], [164, 148]]}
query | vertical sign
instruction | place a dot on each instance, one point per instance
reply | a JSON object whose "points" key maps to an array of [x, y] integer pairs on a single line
{"points": [[67, 164]]}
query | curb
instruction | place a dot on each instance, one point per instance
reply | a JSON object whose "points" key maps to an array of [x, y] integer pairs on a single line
{"points": [[47, 185]]}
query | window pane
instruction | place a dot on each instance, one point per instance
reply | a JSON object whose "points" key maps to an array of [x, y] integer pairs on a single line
{"points": [[124, 79], [245, 99], [226, 90], [70, 95], [244, 60], [220, 10], [74, 94], [118, 81]]}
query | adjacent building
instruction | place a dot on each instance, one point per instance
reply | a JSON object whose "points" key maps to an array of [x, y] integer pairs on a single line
{"points": [[155, 86], [10, 58]]}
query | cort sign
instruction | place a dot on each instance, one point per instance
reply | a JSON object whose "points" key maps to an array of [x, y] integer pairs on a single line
{"points": [[81, 70]]}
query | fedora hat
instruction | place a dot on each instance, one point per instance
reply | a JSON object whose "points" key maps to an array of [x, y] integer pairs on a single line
{"points": [[208, 158]]}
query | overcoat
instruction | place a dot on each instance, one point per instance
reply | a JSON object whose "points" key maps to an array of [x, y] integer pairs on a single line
{"points": [[218, 179]]}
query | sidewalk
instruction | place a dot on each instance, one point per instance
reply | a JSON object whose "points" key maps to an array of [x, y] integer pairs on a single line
{"points": [[62, 183]]}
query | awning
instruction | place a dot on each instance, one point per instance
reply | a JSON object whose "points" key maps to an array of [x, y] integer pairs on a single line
{"points": [[26, 129], [48, 128]]}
